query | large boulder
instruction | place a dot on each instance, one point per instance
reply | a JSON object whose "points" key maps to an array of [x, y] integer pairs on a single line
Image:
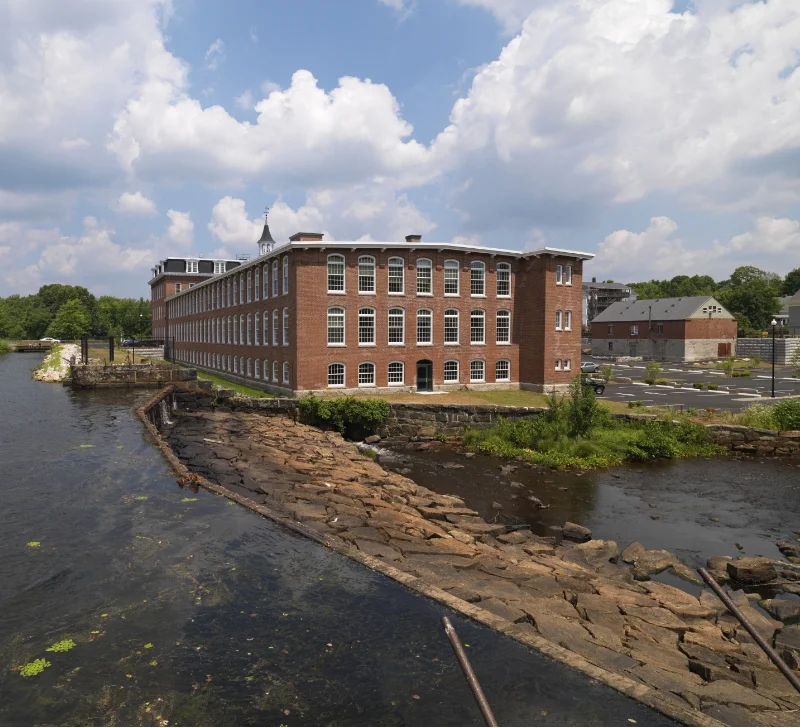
{"points": [[593, 554], [752, 570], [576, 532], [784, 610], [631, 552]]}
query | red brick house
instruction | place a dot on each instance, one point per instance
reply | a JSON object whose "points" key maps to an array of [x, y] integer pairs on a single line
{"points": [[314, 315]]}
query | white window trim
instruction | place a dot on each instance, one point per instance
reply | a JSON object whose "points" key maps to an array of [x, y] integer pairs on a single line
{"points": [[416, 327], [344, 375], [403, 268], [458, 279], [402, 381], [477, 381], [506, 379], [558, 365], [344, 328], [457, 342], [567, 278], [374, 291], [483, 341], [286, 375], [374, 341], [567, 365], [458, 372], [374, 375], [343, 261], [417, 267], [502, 343], [388, 327], [506, 267], [559, 275]]}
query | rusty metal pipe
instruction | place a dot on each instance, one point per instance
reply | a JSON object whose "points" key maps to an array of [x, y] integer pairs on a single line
{"points": [[469, 673], [762, 643]]}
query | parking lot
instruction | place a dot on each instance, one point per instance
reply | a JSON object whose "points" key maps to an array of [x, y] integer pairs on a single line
{"points": [[734, 393]]}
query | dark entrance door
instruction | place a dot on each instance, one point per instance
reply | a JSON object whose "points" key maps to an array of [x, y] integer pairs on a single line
{"points": [[425, 376]]}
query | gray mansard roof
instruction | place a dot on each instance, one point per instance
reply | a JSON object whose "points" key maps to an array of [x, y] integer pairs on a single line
{"points": [[656, 309]]}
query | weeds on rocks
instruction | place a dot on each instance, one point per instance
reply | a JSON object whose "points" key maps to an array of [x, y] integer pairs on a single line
{"points": [[353, 417]]}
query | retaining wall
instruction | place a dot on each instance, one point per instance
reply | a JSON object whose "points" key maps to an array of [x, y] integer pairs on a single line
{"points": [[131, 375], [784, 348]]}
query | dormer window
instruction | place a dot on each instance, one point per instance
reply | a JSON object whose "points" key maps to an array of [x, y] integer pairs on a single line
{"points": [[191, 266], [219, 267]]}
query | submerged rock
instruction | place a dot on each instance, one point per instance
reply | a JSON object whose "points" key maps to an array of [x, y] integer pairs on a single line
{"points": [[576, 532]]}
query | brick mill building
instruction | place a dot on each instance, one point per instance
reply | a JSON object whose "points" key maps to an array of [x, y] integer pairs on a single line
{"points": [[314, 315], [691, 328]]}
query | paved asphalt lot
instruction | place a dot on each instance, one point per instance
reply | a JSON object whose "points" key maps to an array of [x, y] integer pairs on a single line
{"points": [[733, 394]]}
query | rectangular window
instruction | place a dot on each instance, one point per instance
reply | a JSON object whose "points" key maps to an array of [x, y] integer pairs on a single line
{"points": [[366, 327], [477, 279], [219, 267], [397, 326], [502, 371], [286, 327], [567, 365], [249, 286], [396, 275], [477, 327], [567, 320], [503, 280], [286, 372], [503, 327], [567, 275], [285, 278], [275, 285], [610, 330], [452, 269], [335, 326], [177, 288], [249, 329], [275, 331], [265, 338], [559, 275], [336, 273], [659, 328], [256, 329], [451, 371], [558, 320], [451, 326], [424, 277], [635, 330], [424, 327], [275, 371], [476, 371], [265, 275], [558, 365], [366, 274], [191, 266], [396, 375]]}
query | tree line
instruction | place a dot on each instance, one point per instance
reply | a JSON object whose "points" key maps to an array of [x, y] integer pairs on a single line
{"points": [[68, 312], [750, 294]]}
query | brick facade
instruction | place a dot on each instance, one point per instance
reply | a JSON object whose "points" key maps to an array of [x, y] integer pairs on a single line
{"points": [[534, 297]]}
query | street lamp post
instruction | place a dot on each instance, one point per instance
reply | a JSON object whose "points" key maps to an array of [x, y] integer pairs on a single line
{"points": [[774, 324]]}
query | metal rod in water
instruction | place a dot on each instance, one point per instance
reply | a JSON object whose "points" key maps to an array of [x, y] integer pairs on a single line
{"points": [[762, 643], [469, 673]]}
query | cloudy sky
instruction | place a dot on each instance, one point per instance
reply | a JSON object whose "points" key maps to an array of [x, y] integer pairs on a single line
{"points": [[662, 135]]}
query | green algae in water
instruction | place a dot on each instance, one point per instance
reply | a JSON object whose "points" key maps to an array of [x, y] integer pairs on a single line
{"points": [[149, 646], [189, 500], [83, 447], [140, 497], [33, 668], [61, 646], [33, 544]]}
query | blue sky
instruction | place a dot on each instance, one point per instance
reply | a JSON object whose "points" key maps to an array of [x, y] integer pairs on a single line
{"points": [[663, 137]]}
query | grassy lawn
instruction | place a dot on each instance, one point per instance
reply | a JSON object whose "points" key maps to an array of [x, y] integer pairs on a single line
{"points": [[235, 386], [121, 356]]}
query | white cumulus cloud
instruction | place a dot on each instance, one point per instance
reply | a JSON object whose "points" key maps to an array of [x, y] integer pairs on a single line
{"points": [[181, 228], [135, 203]]}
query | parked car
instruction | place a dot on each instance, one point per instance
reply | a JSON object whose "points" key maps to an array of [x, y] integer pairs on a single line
{"points": [[129, 342], [598, 385], [589, 367], [51, 340]]}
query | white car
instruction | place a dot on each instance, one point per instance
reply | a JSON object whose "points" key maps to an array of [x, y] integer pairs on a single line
{"points": [[51, 340], [589, 367]]}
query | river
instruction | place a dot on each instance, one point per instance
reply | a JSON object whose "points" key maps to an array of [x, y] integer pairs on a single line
{"points": [[186, 609]]}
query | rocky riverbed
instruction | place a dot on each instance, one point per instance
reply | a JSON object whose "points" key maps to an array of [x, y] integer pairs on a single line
{"points": [[582, 603]]}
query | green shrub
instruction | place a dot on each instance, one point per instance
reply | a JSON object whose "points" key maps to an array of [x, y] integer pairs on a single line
{"points": [[727, 365], [662, 381], [698, 385], [756, 360], [5, 347], [649, 380], [654, 369], [692, 411], [635, 403], [758, 415], [713, 386], [608, 373], [741, 373], [787, 414], [353, 417]]}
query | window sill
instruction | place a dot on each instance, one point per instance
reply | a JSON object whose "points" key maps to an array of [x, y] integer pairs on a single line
{"points": [[429, 343], [452, 295], [336, 386], [503, 343], [477, 343], [447, 381], [367, 293], [502, 380], [366, 386], [366, 346], [396, 384], [477, 381], [425, 295], [506, 296], [395, 343], [337, 293], [452, 343], [477, 295], [336, 346], [396, 293]]}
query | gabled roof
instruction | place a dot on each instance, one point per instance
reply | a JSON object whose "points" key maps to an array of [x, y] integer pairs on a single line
{"points": [[655, 309]]}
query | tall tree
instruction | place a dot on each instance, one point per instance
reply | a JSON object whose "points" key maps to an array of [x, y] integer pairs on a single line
{"points": [[751, 295], [71, 322], [791, 284]]}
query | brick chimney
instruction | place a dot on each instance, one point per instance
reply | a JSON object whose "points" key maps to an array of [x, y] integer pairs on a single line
{"points": [[306, 236], [413, 238]]}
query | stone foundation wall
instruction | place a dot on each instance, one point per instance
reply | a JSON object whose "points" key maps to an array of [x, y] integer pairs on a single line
{"points": [[784, 348], [752, 441], [129, 375]]}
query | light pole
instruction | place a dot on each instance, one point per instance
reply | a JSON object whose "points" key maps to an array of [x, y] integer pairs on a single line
{"points": [[774, 324]]}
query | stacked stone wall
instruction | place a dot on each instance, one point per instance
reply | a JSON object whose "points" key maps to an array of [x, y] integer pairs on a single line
{"points": [[129, 375]]}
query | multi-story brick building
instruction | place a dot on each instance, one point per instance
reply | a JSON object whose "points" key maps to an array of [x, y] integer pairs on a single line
{"points": [[313, 315]]}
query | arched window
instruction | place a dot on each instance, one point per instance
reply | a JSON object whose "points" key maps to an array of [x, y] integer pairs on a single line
{"points": [[229, 363], [396, 373], [256, 329], [249, 286], [503, 327], [396, 276], [236, 365], [558, 320], [285, 274], [274, 278], [397, 326], [451, 371], [424, 326], [266, 370], [451, 271], [336, 375], [286, 372], [265, 338], [336, 326], [235, 331], [275, 333], [366, 274], [249, 329], [477, 370], [451, 326], [502, 371], [335, 273], [241, 329], [477, 327], [424, 277], [366, 374], [286, 327], [257, 369], [477, 278], [275, 370], [366, 327], [503, 280], [249, 367]]}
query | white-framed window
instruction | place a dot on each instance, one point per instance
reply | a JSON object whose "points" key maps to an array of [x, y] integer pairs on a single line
{"points": [[503, 327], [265, 275], [236, 365], [231, 328], [257, 364], [256, 329], [366, 326], [241, 365], [502, 371], [249, 286], [241, 289], [397, 326], [285, 275], [567, 365], [452, 269], [559, 275], [275, 283], [451, 371], [227, 295], [477, 278], [229, 363], [567, 320], [177, 288], [635, 330], [265, 337], [336, 326], [424, 326], [249, 367], [558, 365], [477, 326], [266, 370], [503, 280], [558, 320], [366, 274], [249, 329], [235, 290], [567, 275], [336, 375], [366, 374], [191, 266], [275, 366], [477, 370], [397, 268], [424, 277], [335, 273], [219, 267], [241, 329], [257, 286], [451, 326], [286, 327], [275, 333], [396, 373], [286, 372], [235, 331]]}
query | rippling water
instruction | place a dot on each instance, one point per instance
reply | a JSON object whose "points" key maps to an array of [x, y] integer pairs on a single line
{"points": [[186, 608]]}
